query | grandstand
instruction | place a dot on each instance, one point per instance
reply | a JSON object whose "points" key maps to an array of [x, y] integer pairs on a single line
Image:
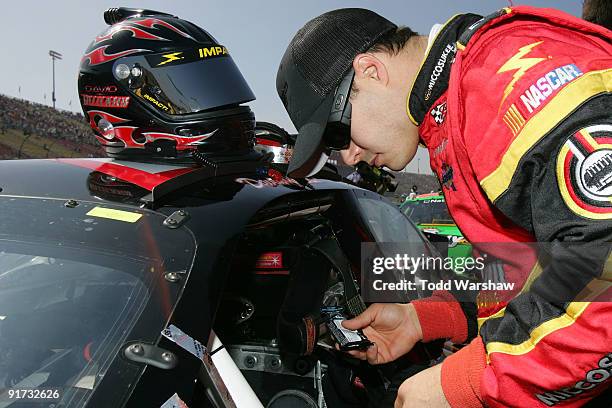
{"points": [[7, 152], [31, 130]]}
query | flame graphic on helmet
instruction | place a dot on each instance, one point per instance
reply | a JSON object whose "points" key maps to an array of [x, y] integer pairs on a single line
{"points": [[136, 33], [99, 55], [149, 23], [111, 118], [182, 142], [124, 133]]}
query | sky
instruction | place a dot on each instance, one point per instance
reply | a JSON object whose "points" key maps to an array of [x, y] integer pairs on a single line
{"points": [[255, 32]]}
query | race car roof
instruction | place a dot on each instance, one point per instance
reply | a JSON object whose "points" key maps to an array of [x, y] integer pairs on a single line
{"points": [[71, 179], [224, 205]]}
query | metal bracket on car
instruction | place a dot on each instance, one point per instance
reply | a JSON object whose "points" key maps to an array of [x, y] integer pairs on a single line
{"points": [[176, 219], [267, 359], [151, 355]]}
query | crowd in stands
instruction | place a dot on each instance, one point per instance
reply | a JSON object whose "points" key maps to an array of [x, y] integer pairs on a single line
{"points": [[7, 152], [67, 128]]}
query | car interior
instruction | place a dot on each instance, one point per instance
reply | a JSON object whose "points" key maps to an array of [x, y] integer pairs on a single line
{"points": [[295, 265]]}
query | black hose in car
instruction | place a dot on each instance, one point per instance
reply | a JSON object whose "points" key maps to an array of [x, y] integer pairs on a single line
{"points": [[299, 316]]}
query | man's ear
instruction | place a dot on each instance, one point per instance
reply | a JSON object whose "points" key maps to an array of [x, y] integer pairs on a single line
{"points": [[369, 67]]}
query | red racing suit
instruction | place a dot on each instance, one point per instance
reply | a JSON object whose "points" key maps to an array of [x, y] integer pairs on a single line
{"points": [[516, 112]]}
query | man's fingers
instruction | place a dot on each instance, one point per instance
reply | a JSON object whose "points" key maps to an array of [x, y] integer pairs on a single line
{"points": [[361, 355], [361, 321], [372, 354]]}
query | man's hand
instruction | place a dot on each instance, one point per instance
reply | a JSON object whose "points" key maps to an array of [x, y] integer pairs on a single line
{"points": [[393, 328], [422, 390]]}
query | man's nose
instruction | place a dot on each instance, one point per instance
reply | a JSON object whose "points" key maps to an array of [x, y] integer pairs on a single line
{"points": [[351, 156]]}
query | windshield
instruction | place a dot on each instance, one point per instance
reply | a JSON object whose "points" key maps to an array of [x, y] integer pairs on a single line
{"points": [[395, 236], [72, 285], [59, 317], [432, 211], [386, 222]]}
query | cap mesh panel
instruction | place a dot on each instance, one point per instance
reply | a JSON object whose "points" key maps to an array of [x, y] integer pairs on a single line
{"points": [[324, 48]]}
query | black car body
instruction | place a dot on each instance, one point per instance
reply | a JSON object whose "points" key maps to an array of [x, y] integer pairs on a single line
{"points": [[89, 268]]}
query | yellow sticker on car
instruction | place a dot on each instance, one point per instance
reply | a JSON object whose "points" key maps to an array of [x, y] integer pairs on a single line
{"points": [[117, 215]]}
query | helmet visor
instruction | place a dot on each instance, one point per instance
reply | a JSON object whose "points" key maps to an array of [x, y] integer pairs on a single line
{"points": [[184, 82]]}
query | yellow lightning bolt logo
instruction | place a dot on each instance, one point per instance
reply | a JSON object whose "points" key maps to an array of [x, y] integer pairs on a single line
{"points": [[175, 56], [522, 65]]}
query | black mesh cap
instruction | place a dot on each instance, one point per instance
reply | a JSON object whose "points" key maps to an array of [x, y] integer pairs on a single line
{"points": [[312, 67]]}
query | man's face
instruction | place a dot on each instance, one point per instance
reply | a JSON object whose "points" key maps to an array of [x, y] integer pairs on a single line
{"points": [[381, 132]]}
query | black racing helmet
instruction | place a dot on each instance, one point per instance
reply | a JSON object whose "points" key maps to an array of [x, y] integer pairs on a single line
{"points": [[156, 86]]}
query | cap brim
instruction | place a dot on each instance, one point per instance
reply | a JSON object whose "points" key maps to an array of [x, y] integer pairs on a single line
{"points": [[309, 145]]}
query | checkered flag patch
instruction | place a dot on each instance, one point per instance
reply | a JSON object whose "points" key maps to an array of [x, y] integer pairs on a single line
{"points": [[439, 113]]}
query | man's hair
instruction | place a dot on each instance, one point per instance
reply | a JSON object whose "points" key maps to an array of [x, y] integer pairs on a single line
{"points": [[598, 12], [391, 43], [394, 41]]}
